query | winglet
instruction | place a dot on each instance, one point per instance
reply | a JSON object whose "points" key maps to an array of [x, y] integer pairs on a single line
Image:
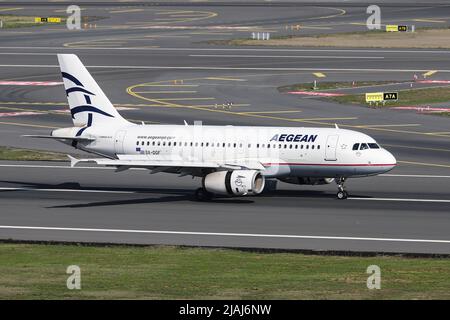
{"points": [[73, 161], [336, 126]]}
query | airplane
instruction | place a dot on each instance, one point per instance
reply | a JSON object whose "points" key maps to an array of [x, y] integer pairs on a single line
{"points": [[230, 160]]}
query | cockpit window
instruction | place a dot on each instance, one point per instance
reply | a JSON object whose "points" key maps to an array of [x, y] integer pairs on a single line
{"points": [[356, 146], [374, 146], [364, 146]]}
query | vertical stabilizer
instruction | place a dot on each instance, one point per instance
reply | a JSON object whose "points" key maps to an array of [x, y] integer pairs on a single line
{"points": [[88, 104]]}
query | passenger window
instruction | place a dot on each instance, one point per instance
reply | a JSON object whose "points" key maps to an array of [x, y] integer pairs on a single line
{"points": [[307, 146], [142, 143], [356, 146], [364, 146], [312, 147], [318, 147], [137, 143]]}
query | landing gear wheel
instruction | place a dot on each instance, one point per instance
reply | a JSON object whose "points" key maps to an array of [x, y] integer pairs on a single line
{"points": [[342, 195], [202, 195]]}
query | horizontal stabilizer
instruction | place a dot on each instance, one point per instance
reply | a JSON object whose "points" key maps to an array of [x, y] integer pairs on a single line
{"points": [[59, 137]]}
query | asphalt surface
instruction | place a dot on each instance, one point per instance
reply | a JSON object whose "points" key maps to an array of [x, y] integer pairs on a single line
{"points": [[155, 63]]}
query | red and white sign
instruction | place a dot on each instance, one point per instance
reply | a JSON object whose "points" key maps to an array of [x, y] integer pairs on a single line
{"points": [[18, 114], [29, 83], [319, 94]]}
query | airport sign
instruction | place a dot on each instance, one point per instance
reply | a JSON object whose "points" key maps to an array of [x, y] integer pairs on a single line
{"points": [[381, 96], [47, 19], [374, 97], [390, 96], [396, 28]]}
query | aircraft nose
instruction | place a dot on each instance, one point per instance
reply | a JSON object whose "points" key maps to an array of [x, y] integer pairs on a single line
{"points": [[389, 160]]}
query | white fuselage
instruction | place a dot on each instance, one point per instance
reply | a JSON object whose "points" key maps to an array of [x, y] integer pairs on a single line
{"points": [[283, 151]]}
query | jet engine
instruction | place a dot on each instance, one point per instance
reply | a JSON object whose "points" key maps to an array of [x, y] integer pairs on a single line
{"points": [[306, 180], [236, 182]]}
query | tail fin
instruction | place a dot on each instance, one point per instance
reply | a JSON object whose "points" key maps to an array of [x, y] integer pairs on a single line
{"points": [[88, 104]]}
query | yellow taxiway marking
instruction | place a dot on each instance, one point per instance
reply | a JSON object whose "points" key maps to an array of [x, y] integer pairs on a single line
{"points": [[319, 74], [166, 92], [443, 132], [172, 12], [425, 164], [318, 28], [429, 20], [130, 89], [10, 9], [267, 112], [418, 148], [28, 125], [225, 79], [170, 85], [182, 99], [318, 119], [389, 125], [429, 73], [64, 10], [211, 33], [126, 11]]}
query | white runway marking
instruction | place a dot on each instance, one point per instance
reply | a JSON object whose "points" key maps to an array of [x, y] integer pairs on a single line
{"points": [[143, 192], [30, 83], [65, 190], [109, 168], [225, 234], [236, 49], [223, 68], [398, 199], [412, 176], [261, 56]]}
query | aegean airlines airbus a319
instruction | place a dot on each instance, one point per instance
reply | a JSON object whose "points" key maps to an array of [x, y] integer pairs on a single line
{"points": [[230, 160]]}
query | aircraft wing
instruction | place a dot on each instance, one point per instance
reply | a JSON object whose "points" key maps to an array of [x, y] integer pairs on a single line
{"points": [[169, 165]]}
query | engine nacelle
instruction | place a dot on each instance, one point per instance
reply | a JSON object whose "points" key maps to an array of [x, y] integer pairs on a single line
{"points": [[307, 180], [236, 182]]}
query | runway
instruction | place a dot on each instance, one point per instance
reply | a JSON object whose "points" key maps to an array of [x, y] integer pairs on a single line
{"points": [[166, 71]]}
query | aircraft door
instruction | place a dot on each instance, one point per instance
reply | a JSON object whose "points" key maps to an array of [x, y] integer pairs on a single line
{"points": [[118, 141], [330, 148]]}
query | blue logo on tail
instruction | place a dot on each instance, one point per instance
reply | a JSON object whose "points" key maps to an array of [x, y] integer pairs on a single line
{"points": [[83, 108]]}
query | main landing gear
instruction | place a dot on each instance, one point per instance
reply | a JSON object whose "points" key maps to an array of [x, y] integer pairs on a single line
{"points": [[202, 195], [341, 194]]}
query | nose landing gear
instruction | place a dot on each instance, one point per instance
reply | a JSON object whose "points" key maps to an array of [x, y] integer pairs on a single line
{"points": [[341, 194]]}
